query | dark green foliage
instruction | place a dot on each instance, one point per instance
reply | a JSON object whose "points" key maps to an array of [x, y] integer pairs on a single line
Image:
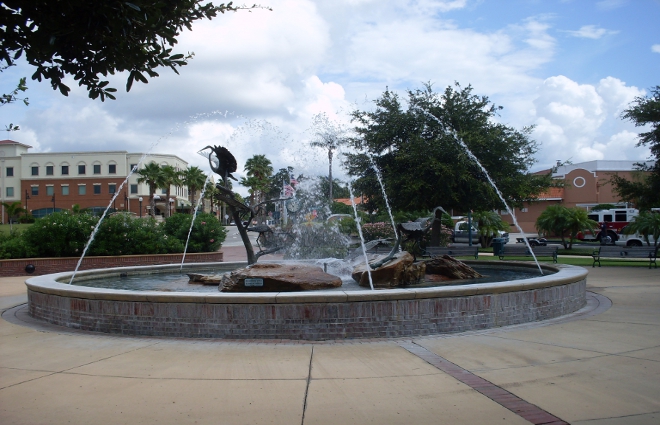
{"points": [[64, 234], [60, 234], [339, 208], [121, 234], [421, 162], [207, 233], [644, 190], [12, 245], [90, 39]]}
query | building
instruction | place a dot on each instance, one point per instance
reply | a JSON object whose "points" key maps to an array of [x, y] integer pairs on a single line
{"points": [[586, 185], [54, 181]]}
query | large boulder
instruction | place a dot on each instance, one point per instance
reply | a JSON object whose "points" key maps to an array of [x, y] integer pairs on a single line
{"points": [[273, 277], [401, 271], [451, 268]]}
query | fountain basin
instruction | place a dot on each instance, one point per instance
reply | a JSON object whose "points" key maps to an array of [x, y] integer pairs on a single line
{"points": [[318, 315]]}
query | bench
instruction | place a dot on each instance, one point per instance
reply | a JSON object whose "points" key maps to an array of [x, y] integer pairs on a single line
{"points": [[523, 251], [453, 251], [623, 252], [533, 241]]}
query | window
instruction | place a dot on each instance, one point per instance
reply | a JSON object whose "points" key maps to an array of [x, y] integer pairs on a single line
{"points": [[112, 188], [65, 170], [50, 190], [49, 170], [97, 168], [133, 167], [65, 190], [10, 171], [34, 190], [112, 168], [97, 189], [82, 189], [134, 189], [607, 218], [81, 169], [35, 171], [163, 191], [620, 216], [10, 192]]}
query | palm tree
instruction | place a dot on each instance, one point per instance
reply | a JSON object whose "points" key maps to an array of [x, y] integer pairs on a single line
{"points": [[648, 224], [258, 170], [13, 210], [330, 136], [488, 224], [194, 178], [170, 176], [562, 221], [152, 177]]}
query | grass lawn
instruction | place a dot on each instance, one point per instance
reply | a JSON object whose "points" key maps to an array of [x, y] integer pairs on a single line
{"points": [[4, 228]]}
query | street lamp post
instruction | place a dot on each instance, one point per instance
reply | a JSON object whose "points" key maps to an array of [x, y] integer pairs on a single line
{"points": [[140, 199], [53, 200], [171, 204], [126, 201], [27, 196]]}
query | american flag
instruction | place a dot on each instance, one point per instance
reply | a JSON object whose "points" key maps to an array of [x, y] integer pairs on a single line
{"points": [[293, 181], [288, 190]]}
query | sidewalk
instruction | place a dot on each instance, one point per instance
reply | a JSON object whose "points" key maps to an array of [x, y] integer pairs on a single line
{"points": [[598, 368]]}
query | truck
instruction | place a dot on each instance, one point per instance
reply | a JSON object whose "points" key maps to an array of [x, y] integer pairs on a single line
{"points": [[461, 234], [635, 239], [614, 219]]}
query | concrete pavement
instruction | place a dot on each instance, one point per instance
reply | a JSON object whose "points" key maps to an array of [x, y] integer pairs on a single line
{"points": [[601, 366]]}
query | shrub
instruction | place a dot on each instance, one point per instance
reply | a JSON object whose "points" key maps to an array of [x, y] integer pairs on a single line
{"points": [[122, 234], [12, 245], [60, 234], [207, 233], [373, 231]]}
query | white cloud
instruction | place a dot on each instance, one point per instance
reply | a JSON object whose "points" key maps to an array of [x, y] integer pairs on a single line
{"points": [[655, 48], [591, 31], [582, 122]]}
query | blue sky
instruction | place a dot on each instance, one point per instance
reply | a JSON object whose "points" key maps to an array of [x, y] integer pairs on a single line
{"points": [[567, 67]]}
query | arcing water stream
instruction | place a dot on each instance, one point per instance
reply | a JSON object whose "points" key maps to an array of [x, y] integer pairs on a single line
{"points": [[492, 183], [359, 228]]}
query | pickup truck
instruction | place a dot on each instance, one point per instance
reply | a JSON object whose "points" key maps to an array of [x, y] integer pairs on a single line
{"points": [[634, 239], [460, 233]]}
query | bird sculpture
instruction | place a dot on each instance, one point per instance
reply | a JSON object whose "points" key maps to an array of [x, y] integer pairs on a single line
{"points": [[222, 162]]}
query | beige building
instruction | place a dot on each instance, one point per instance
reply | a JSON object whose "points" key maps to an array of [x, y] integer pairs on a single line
{"points": [[586, 185], [53, 181]]}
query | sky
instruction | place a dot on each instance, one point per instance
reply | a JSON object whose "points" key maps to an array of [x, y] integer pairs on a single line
{"points": [[567, 67]]}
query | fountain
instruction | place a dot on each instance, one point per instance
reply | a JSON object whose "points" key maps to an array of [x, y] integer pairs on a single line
{"points": [[255, 306]]}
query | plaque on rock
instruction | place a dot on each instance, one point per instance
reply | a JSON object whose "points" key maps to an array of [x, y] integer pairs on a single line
{"points": [[254, 282]]}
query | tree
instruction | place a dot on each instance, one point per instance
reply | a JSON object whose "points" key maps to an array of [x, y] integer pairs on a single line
{"points": [[152, 177], [421, 162], [644, 191], [488, 224], [13, 210], [330, 136], [88, 40], [565, 222], [647, 223], [258, 170], [7, 98], [170, 176], [193, 178]]}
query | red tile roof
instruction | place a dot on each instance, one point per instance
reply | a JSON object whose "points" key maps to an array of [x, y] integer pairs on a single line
{"points": [[552, 193]]}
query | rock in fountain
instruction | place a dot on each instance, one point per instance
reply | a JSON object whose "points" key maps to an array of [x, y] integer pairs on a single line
{"points": [[275, 277], [402, 270]]}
